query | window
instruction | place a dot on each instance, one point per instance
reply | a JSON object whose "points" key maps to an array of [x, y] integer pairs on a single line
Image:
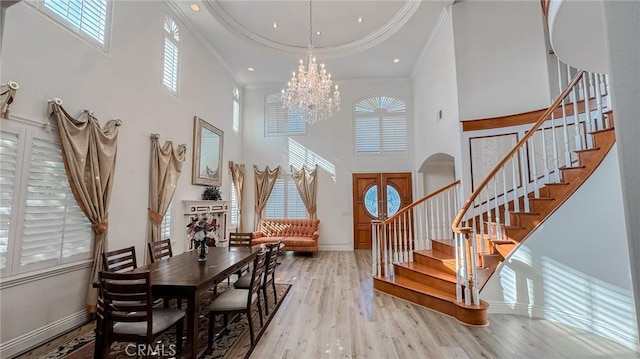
{"points": [[236, 110], [41, 224], [234, 206], [279, 122], [165, 226], [381, 126], [285, 203], [87, 18], [171, 55]]}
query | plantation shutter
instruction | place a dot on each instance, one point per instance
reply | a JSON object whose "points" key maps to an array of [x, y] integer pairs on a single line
{"points": [[170, 77], [165, 226], [234, 205], [280, 121], [275, 204], [394, 134], [236, 116], [89, 17], [54, 226], [295, 206], [367, 135], [8, 175]]}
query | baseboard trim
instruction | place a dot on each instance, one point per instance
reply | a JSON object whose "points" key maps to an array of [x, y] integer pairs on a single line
{"points": [[628, 339], [41, 335]]}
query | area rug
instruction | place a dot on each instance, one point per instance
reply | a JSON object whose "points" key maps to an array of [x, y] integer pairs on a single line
{"points": [[231, 342]]}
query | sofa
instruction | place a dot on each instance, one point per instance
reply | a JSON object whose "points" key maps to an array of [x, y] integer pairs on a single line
{"points": [[297, 235]]}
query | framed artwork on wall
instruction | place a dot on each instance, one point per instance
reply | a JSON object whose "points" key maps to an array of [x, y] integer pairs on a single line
{"points": [[207, 154]]}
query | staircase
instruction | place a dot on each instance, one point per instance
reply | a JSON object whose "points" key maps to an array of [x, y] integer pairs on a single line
{"points": [[425, 256]]}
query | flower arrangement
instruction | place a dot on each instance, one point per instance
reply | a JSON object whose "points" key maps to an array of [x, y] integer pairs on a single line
{"points": [[202, 230]]}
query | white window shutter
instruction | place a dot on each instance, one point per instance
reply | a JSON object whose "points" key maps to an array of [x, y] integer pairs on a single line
{"points": [[234, 206], [165, 226], [8, 175], [275, 204], [295, 206], [84, 16]]}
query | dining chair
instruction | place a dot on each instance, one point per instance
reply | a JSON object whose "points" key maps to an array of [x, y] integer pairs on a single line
{"points": [[120, 260], [235, 301], [126, 313], [268, 277], [159, 250], [240, 240]]}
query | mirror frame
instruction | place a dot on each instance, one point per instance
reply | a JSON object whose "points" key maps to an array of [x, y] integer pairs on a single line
{"points": [[196, 178]]}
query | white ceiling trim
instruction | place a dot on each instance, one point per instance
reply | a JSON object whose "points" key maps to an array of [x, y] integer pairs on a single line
{"points": [[177, 12], [444, 14], [364, 43]]}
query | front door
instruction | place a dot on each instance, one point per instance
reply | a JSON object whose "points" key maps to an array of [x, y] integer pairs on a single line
{"points": [[377, 196]]}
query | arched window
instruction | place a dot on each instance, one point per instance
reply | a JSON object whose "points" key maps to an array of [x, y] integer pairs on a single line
{"points": [[89, 19], [380, 126], [171, 55]]}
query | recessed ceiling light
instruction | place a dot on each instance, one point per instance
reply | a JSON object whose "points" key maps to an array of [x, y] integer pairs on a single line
{"points": [[360, 19], [195, 7], [395, 61], [318, 32], [251, 69], [275, 25]]}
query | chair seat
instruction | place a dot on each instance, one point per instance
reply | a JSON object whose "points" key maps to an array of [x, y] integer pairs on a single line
{"points": [[230, 300], [163, 318], [245, 282]]}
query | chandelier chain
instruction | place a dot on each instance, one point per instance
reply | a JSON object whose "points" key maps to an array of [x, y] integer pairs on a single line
{"points": [[310, 26]]}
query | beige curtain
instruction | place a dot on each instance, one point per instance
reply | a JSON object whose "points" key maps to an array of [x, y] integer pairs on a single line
{"points": [[237, 176], [166, 166], [89, 155], [307, 187], [265, 180], [7, 95]]}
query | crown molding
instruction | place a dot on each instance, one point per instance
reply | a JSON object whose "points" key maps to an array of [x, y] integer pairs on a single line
{"points": [[444, 14], [366, 42]]}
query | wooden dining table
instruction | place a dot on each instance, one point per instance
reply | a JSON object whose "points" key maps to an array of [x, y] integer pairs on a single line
{"points": [[183, 277]]}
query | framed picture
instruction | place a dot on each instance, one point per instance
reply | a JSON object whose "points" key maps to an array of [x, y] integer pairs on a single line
{"points": [[207, 154]]}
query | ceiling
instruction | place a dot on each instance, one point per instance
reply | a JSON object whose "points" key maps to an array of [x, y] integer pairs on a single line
{"points": [[243, 35]]}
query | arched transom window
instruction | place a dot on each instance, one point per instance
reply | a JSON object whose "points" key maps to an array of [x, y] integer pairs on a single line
{"points": [[380, 126]]}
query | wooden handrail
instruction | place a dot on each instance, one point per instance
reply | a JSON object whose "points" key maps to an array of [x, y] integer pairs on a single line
{"points": [[467, 204], [425, 198], [545, 7]]}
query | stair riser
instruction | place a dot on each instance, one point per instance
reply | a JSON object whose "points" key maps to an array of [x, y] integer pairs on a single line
{"points": [[571, 175], [423, 299], [442, 248], [603, 138], [586, 157], [434, 282], [433, 263]]}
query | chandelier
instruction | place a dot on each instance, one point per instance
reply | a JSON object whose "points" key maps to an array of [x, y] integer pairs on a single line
{"points": [[310, 91]]}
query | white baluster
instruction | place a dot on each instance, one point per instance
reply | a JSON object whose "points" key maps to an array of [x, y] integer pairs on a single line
{"points": [[567, 154], [505, 201], [525, 180], [534, 168], [587, 109], [497, 211], [433, 218], [396, 259], [514, 178], [600, 120], [556, 153], [545, 158], [457, 248], [411, 236], [576, 120], [374, 251]]}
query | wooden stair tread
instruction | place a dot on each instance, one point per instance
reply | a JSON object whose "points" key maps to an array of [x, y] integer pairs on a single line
{"points": [[587, 150], [557, 184], [572, 167], [602, 130], [418, 287], [503, 241], [424, 269], [433, 254]]}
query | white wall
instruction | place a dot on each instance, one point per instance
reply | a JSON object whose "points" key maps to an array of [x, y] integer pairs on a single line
{"points": [[573, 268], [623, 42], [48, 61], [332, 142], [435, 89], [500, 57]]}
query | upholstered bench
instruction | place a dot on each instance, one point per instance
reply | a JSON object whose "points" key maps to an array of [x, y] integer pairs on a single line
{"points": [[297, 235]]}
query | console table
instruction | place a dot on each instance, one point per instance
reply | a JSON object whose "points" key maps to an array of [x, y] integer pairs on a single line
{"points": [[219, 209]]}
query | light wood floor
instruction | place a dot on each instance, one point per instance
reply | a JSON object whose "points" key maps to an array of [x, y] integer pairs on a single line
{"points": [[333, 312]]}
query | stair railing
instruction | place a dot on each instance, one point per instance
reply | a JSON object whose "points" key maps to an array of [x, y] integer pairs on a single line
{"points": [[535, 160], [413, 227]]}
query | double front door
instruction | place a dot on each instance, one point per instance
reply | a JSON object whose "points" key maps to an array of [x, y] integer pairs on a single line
{"points": [[377, 196]]}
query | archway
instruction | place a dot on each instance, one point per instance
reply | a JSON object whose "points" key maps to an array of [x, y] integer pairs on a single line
{"points": [[437, 171]]}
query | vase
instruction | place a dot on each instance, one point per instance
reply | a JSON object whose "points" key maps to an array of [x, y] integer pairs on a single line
{"points": [[202, 255]]}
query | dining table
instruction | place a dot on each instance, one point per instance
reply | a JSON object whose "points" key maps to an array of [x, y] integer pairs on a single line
{"points": [[184, 277]]}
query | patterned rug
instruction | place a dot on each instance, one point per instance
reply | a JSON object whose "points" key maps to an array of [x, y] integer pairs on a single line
{"points": [[231, 342]]}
